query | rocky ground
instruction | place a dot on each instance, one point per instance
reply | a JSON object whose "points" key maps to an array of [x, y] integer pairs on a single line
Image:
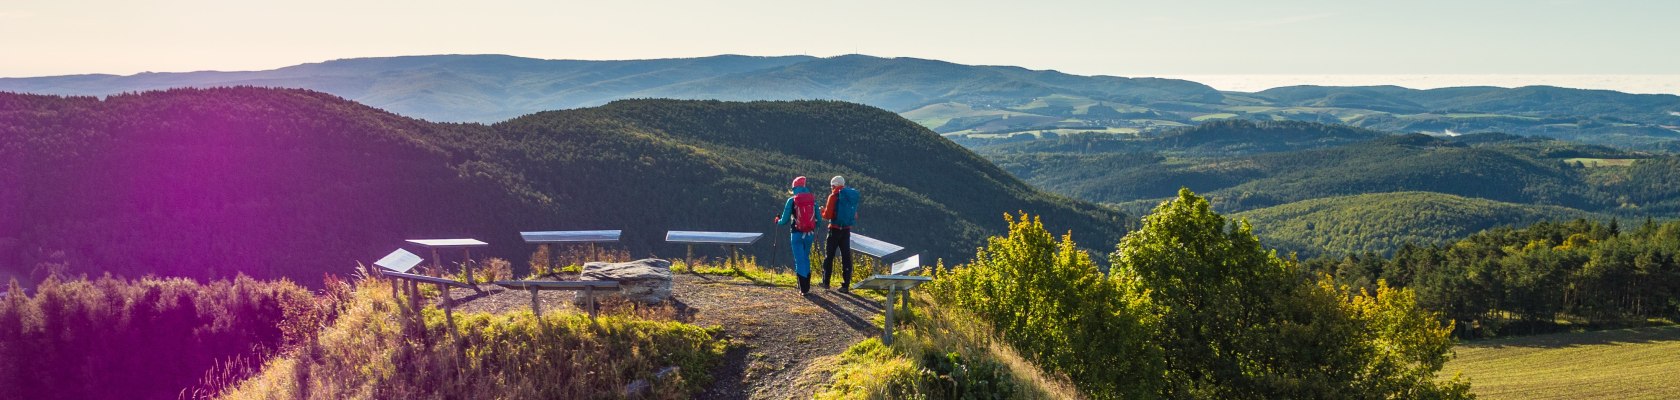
{"points": [[776, 334]]}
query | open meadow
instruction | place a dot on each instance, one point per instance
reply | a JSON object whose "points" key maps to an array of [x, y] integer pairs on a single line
{"points": [[1621, 364]]}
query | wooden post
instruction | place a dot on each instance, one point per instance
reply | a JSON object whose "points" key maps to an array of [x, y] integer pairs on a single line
{"points": [[904, 300], [886, 335], [413, 294], [436, 264], [448, 310], [466, 267], [536, 308], [734, 258], [552, 260], [589, 293]]}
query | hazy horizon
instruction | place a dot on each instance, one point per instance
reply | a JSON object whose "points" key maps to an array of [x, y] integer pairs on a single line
{"points": [[1628, 83], [1086, 37]]}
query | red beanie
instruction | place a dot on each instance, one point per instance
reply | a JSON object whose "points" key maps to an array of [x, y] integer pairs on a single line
{"points": [[799, 182]]}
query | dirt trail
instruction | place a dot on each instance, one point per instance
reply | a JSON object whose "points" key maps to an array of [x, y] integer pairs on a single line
{"points": [[776, 332]]}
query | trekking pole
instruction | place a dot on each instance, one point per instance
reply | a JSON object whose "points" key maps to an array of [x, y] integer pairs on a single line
{"points": [[773, 257]]}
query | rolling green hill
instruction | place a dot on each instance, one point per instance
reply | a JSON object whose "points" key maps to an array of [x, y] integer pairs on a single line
{"points": [[279, 182], [1321, 173], [1247, 165], [1380, 222]]}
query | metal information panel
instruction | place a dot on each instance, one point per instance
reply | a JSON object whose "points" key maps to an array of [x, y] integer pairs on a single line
{"points": [[730, 238], [906, 265], [465, 244], [448, 243], [400, 261], [571, 236], [873, 246]]}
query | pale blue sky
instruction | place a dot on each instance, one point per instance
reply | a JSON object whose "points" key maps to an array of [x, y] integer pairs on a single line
{"points": [[54, 37]]}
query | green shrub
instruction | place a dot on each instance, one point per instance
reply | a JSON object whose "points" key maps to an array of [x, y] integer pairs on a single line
{"points": [[1048, 300], [1236, 321], [112, 338]]}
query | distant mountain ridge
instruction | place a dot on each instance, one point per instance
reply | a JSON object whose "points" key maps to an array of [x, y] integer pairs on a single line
{"points": [[476, 88], [960, 101], [489, 88]]}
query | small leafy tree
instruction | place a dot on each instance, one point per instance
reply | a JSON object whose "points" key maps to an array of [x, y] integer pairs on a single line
{"points": [[1049, 300], [1408, 344], [1236, 321]]}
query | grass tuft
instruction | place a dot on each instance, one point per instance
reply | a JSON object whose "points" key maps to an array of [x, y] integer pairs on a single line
{"points": [[378, 349], [939, 353]]}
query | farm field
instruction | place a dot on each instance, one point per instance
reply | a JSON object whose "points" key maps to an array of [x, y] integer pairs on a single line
{"points": [[1205, 117], [1621, 364], [1602, 162]]}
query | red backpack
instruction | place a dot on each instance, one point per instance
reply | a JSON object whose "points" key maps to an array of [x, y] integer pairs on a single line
{"points": [[804, 212]]}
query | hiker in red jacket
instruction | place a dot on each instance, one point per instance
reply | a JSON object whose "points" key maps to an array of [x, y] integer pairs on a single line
{"points": [[841, 213], [800, 213]]}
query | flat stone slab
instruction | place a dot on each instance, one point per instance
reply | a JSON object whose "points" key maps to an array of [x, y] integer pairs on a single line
{"points": [[645, 281]]}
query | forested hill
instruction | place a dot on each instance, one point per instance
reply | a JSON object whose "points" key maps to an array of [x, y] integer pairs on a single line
{"points": [[1332, 189], [285, 182], [1381, 222]]}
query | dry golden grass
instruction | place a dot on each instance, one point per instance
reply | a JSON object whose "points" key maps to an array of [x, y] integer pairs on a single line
{"points": [[870, 370], [1639, 363], [380, 348]]}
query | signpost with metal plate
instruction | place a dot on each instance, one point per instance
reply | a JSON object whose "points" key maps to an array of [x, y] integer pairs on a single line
{"points": [[907, 265], [465, 245], [872, 246], [894, 285], [548, 238], [731, 239], [398, 261]]}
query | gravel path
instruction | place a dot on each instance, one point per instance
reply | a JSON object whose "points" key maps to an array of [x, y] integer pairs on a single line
{"points": [[775, 333]]}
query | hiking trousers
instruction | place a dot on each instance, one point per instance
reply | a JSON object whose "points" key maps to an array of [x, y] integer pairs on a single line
{"points": [[800, 243], [839, 240]]}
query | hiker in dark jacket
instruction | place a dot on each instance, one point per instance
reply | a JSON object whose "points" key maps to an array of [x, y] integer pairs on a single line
{"points": [[841, 213], [800, 214]]}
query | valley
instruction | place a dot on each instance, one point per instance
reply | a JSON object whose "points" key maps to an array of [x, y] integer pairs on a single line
{"points": [[1059, 200], [297, 185]]}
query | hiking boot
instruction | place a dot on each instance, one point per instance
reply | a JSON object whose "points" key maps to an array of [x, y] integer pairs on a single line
{"points": [[843, 289]]}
